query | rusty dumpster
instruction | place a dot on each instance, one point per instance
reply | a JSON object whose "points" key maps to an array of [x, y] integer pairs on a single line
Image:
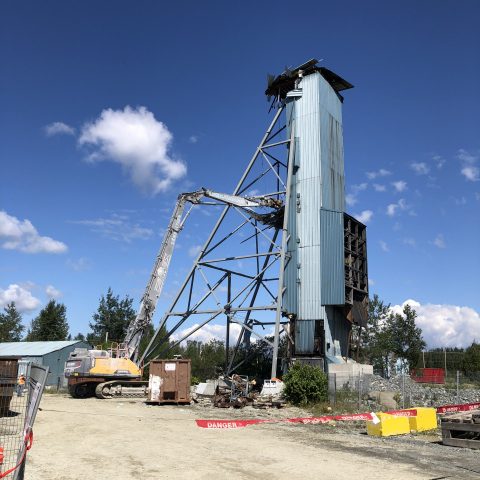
{"points": [[169, 381], [8, 382]]}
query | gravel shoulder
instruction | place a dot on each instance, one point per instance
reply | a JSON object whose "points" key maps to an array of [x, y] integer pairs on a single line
{"points": [[79, 439]]}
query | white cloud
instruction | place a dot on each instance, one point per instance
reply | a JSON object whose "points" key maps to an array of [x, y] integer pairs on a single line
{"points": [[351, 199], [399, 186], [360, 187], [80, 264], [364, 217], [445, 325], [379, 188], [379, 173], [22, 296], [193, 139], [210, 331], [409, 241], [117, 227], [471, 173], [439, 241], [469, 169], [59, 128], [194, 250], [420, 168], [21, 235], [393, 208], [439, 161], [136, 140], [384, 246], [52, 292], [466, 157]]}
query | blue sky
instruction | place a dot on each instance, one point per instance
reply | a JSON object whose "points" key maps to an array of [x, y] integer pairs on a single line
{"points": [[83, 205]]}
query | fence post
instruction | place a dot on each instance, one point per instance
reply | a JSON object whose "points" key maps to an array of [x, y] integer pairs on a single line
{"points": [[458, 385], [334, 388], [359, 391], [403, 390]]}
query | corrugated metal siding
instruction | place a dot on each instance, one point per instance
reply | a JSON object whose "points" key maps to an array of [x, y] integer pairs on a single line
{"points": [[316, 242], [332, 258], [36, 348]]}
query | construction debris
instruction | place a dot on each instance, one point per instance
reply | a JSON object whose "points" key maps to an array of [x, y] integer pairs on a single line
{"points": [[462, 429], [238, 392]]}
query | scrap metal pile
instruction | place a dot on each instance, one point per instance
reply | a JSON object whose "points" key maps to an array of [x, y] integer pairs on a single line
{"points": [[238, 391]]}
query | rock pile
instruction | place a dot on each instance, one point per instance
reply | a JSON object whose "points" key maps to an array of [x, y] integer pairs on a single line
{"points": [[423, 395]]}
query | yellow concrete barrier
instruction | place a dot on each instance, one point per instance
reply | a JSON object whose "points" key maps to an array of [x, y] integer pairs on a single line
{"points": [[388, 425], [426, 419]]}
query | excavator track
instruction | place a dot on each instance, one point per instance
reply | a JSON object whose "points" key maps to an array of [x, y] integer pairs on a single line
{"points": [[121, 389]]}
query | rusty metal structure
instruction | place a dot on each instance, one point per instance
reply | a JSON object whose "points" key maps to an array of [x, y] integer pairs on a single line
{"points": [[304, 274]]}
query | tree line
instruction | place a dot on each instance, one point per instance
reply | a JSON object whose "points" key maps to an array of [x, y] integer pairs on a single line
{"points": [[390, 341]]}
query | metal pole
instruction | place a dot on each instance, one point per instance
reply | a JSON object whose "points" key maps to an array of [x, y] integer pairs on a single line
{"points": [[403, 390], [283, 253], [359, 391], [445, 354], [458, 385], [335, 389]]}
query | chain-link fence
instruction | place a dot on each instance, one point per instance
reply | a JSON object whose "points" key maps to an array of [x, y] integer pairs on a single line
{"points": [[372, 392], [21, 388]]}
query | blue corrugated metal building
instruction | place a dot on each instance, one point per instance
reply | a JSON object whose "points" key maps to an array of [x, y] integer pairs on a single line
{"points": [[319, 263], [50, 354]]}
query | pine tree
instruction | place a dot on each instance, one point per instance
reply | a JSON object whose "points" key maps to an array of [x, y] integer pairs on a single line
{"points": [[50, 324], [113, 316], [11, 327], [471, 360]]}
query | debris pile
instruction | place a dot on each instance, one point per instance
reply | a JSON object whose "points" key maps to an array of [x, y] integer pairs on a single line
{"points": [[238, 392]]}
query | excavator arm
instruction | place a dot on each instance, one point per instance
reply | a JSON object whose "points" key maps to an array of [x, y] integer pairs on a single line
{"points": [[138, 326]]}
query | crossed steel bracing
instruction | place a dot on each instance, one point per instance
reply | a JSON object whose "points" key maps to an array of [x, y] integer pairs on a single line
{"points": [[238, 273]]}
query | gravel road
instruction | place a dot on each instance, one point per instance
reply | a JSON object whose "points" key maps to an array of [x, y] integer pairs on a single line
{"points": [[87, 439]]}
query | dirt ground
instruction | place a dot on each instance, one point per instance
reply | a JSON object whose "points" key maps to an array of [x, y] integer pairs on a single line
{"points": [[127, 439]]}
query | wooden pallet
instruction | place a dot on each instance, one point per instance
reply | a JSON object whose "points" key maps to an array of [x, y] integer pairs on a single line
{"points": [[462, 429]]}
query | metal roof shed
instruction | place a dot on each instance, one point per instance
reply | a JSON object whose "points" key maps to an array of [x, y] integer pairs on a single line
{"points": [[49, 354]]}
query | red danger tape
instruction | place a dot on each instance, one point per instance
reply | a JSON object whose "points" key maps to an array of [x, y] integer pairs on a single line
{"points": [[355, 417], [466, 407], [229, 423]]}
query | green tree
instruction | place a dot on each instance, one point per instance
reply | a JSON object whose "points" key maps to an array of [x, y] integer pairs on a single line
{"points": [[79, 336], [11, 327], [405, 337], [113, 316], [50, 324], [471, 360], [375, 339]]}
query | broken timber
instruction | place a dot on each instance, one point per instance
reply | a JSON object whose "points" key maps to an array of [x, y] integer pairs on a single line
{"points": [[462, 429]]}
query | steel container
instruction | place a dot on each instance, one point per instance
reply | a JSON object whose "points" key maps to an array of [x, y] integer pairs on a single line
{"points": [[169, 381], [8, 381]]}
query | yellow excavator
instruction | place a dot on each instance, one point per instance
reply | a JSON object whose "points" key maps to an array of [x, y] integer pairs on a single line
{"points": [[105, 373]]}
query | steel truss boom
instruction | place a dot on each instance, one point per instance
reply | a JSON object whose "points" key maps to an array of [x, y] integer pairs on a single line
{"points": [[239, 283], [138, 326]]}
